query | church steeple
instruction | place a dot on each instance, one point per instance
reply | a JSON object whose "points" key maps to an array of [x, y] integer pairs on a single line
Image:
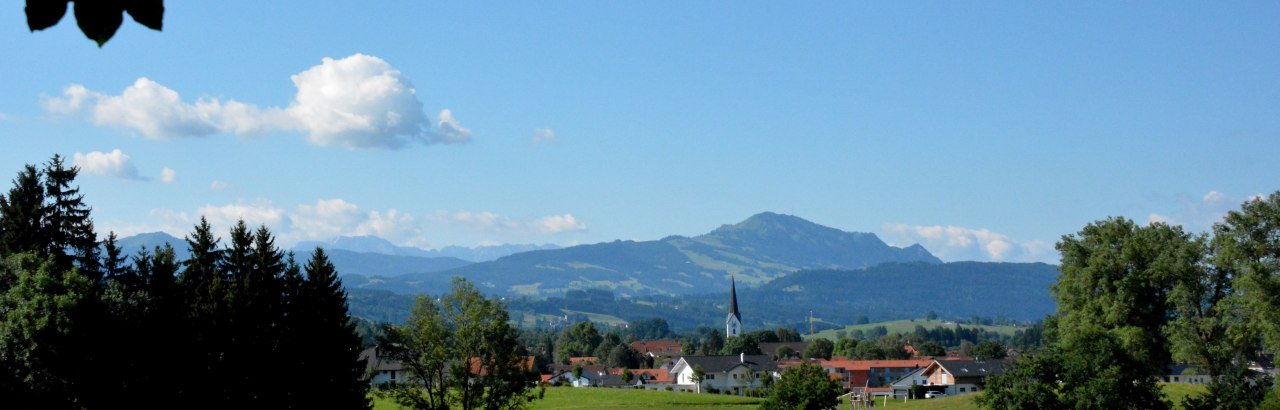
{"points": [[733, 298], [733, 323]]}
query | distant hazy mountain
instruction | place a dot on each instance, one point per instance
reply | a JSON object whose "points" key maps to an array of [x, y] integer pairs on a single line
{"points": [[373, 244], [132, 244], [761, 248], [347, 262], [376, 264]]}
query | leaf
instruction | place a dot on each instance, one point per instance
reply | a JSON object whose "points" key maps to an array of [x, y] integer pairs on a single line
{"points": [[99, 20], [149, 13], [42, 14]]}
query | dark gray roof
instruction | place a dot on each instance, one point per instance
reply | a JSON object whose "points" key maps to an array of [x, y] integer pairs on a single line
{"points": [[1180, 369], [965, 368], [378, 363], [719, 364]]}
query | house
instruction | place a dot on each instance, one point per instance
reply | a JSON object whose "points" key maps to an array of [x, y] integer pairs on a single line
{"points": [[960, 376], [657, 348], [871, 373], [733, 374], [382, 369], [1186, 374], [902, 387], [584, 360]]}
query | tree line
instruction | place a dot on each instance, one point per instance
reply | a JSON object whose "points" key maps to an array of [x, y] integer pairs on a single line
{"points": [[87, 325], [1134, 299]]}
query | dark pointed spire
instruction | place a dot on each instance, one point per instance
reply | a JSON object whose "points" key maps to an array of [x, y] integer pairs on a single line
{"points": [[733, 299]]}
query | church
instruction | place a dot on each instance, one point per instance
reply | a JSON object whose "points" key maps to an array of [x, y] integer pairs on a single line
{"points": [[733, 323]]}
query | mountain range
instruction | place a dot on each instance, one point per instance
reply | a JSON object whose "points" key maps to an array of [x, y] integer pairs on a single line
{"points": [[761, 248], [785, 267], [373, 244]]}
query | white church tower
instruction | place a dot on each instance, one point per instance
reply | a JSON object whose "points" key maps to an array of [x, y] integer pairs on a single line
{"points": [[733, 323]]}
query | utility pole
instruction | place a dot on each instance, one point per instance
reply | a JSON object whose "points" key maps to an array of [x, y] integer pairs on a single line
{"points": [[810, 323]]}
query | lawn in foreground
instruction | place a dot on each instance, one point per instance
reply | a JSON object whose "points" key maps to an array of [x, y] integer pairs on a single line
{"points": [[597, 398], [601, 398]]}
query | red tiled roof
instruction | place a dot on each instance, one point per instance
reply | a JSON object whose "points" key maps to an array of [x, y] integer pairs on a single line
{"points": [[653, 375], [479, 371], [852, 365], [591, 359], [657, 346]]}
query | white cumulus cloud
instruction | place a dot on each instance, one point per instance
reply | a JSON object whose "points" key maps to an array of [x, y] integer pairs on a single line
{"points": [[956, 243], [557, 224], [168, 175], [218, 186], [357, 102], [113, 164]]}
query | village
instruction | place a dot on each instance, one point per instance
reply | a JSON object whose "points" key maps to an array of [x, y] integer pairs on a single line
{"points": [[864, 381]]}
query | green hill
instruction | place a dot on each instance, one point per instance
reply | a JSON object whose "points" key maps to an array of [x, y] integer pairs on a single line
{"points": [[909, 325]]}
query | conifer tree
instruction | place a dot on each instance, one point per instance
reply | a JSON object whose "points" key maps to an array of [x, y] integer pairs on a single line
{"points": [[332, 363], [22, 215], [68, 225], [205, 323]]}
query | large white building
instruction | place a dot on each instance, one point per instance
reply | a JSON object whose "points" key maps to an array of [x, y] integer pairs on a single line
{"points": [[734, 374]]}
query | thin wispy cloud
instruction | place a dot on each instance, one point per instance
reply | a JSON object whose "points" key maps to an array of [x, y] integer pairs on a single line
{"points": [[543, 136], [168, 175], [357, 102]]}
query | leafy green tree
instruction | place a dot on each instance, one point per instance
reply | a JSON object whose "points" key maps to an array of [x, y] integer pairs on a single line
{"points": [[464, 351], [712, 343], [740, 344], [1117, 275], [627, 376], [819, 348], [933, 349], [844, 347], [1246, 247], [579, 340], [38, 332], [804, 387], [989, 350], [423, 345], [698, 377]]}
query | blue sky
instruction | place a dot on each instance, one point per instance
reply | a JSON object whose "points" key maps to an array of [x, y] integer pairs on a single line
{"points": [[984, 130]]}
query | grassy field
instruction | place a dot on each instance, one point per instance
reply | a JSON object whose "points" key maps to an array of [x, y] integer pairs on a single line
{"points": [[596, 398], [908, 326]]}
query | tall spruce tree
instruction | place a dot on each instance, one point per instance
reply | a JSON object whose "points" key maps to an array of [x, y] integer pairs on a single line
{"points": [[332, 366], [205, 322], [69, 229], [22, 215]]}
